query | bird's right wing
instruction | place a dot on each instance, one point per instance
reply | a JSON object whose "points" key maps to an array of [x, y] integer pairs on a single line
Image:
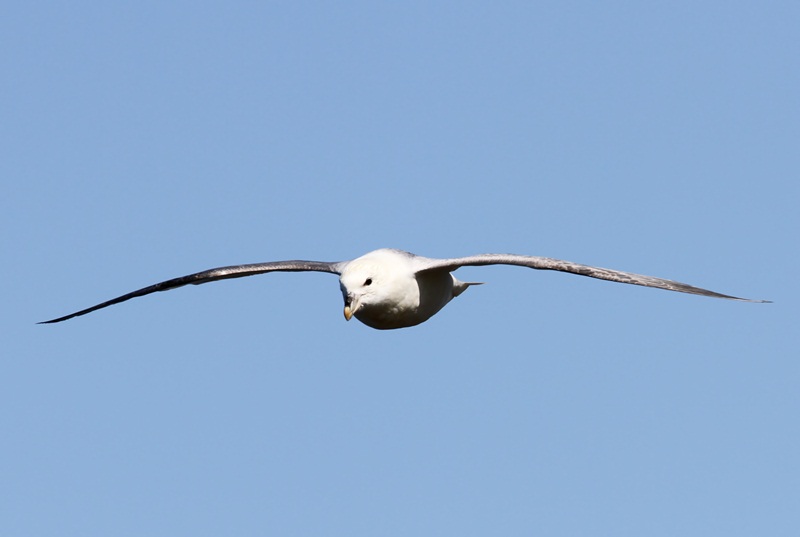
{"points": [[212, 275]]}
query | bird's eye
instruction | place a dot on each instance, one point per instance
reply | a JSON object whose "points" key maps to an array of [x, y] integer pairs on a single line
{"points": [[368, 281]]}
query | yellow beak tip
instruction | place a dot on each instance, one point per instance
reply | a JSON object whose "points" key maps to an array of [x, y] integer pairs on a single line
{"points": [[348, 313]]}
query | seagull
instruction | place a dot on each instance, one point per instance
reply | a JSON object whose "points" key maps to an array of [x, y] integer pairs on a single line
{"points": [[388, 288]]}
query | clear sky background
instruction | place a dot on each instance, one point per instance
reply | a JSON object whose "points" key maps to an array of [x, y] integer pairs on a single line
{"points": [[147, 140]]}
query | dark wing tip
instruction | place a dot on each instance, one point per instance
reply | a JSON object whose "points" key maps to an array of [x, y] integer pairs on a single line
{"points": [[52, 321], [88, 310], [739, 299]]}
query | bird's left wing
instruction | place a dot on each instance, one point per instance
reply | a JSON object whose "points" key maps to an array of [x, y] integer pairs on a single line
{"points": [[546, 263], [212, 275]]}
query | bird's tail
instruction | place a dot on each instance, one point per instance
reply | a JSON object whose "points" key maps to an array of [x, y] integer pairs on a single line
{"points": [[459, 286]]}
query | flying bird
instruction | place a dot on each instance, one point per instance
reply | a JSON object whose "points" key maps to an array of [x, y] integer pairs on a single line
{"points": [[388, 288]]}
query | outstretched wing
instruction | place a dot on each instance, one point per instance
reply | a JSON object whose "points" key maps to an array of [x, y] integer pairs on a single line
{"points": [[212, 275], [546, 263]]}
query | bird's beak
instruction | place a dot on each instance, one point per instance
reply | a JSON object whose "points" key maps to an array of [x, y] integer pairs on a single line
{"points": [[350, 307]]}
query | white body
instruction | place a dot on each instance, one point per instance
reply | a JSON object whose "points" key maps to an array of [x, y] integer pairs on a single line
{"points": [[383, 289]]}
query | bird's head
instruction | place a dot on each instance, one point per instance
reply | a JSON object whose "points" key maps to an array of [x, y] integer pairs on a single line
{"points": [[378, 287], [360, 283]]}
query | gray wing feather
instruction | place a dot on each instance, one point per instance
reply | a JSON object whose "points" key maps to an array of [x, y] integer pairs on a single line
{"points": [[212, 275], [546, 263]]}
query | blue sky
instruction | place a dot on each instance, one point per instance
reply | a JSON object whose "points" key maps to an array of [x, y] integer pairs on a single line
{"points": [[150, 140]]}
